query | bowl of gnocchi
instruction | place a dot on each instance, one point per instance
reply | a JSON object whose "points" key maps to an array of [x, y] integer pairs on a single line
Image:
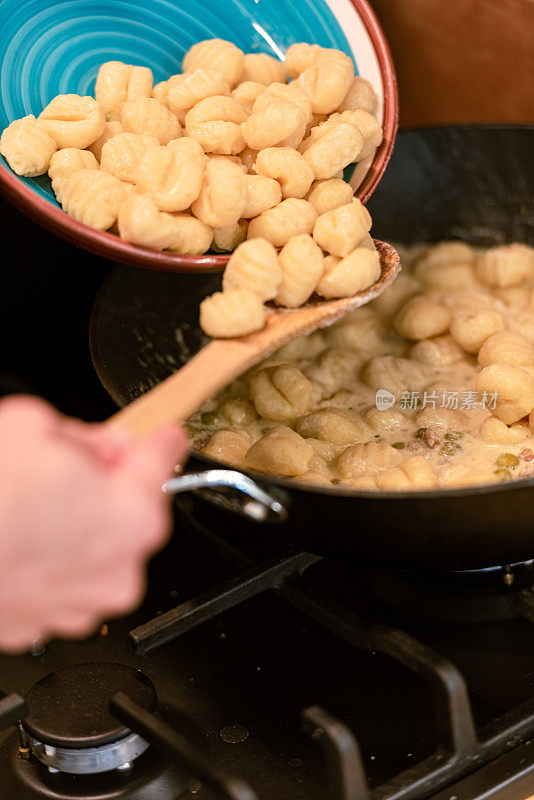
{"points": [[164, 134]]}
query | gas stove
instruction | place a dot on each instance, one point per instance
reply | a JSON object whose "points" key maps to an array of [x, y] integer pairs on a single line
{"points": [[250, 672]]}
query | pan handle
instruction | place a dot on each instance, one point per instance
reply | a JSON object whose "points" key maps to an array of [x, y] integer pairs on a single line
{"points": [[257, 504]]}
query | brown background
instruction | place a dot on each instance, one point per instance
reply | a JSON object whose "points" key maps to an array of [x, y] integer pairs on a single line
{"points": [[461, 60]]}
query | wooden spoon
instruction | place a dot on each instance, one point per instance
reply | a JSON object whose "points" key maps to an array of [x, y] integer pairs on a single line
{"points": [[222, 360]]}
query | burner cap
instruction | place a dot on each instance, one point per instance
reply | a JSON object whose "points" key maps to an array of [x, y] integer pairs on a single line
{"points": [[69, 708]]}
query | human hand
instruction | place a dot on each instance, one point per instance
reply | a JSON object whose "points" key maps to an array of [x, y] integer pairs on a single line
{"points": [[81, 510]]}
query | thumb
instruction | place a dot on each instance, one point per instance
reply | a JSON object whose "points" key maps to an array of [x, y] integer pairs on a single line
{"points": [[21, 414], [150, 461]]}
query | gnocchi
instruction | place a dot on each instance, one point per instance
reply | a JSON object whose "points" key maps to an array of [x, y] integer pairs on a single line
{"points": [[301, 263], [111, 130], [327, 81], [227, 239], [453, 422], [470, 331], [195, 86], [336, 426], [342, 229], [290, 218], [359, 95], [122, 153], [414, 473], [288, 167], [246, 94], [232, 313], [232, 445], [364, 332], [116, 83], [496, 432], [421, 318], [281, 451], [141, 222], [326, 195], [263, 68], [368, 457], [94, 197], [170, 177], [506, 347], [300, 57], [27, 148], [279, 122], [192, 236], [287, 92], [68, 160], [383, 421], [262, 193], [394, 374], [146, 115], [215, 123], [254, 266], [161, 92], [344, 277], [111, 88], [447, 276], [64, 162], [440, 350], [514, 387], [238, 411], [216, 54], [339, 146], [223, 195], [73, 121], [368, 126], [280, 393], [506, 265], [335, 368]]}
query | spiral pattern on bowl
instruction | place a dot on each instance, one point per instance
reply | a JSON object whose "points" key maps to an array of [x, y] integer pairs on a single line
{"points": [[50, 48]]}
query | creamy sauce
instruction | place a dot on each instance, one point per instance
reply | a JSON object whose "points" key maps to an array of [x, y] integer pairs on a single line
{"points": [[362, 405]]}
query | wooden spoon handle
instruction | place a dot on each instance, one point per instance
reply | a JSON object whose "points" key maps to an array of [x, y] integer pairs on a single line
{"points": [[177, 397]]}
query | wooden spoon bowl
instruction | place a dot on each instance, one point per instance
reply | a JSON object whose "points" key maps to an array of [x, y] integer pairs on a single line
{"points": [[222, 360]]}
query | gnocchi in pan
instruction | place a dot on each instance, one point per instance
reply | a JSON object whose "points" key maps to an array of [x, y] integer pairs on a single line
{"points": [[264, 145], [429, 386]]}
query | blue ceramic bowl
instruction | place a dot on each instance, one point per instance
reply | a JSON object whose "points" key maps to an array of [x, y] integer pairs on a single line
{"points": [[49, 48]]}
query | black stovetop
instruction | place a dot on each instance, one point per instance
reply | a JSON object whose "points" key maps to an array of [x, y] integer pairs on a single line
{"points": [[237, 684]]}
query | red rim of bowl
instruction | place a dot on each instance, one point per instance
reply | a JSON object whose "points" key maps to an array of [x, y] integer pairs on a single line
{"points": [[109, 246]]}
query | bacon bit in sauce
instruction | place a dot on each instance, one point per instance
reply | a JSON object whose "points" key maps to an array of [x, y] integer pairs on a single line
{"points": [[526, 454], [415, 447], [430, 438]]}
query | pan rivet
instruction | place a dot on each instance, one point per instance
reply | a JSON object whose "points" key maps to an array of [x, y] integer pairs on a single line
{"points": [[508, 576]]}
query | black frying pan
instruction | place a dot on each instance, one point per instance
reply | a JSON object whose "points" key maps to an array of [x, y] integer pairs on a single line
{"points": [[475, 183]]}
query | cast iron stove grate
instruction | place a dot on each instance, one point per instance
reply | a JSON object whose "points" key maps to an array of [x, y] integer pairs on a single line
{"points": [[462, 749], [469, 762]]}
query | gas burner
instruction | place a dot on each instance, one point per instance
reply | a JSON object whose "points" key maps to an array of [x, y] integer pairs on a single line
{"points": [[484, 595], [152, 776], [69, 747], [69, 725]]}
